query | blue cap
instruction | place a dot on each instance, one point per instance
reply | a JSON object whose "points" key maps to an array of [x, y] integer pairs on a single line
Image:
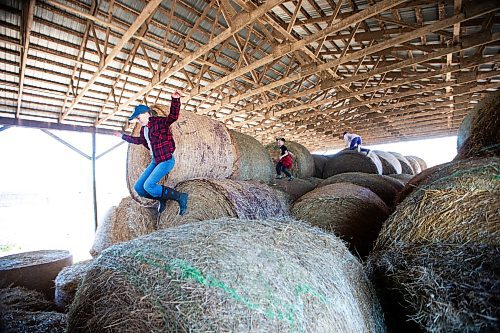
{"points": [[139, 109]]}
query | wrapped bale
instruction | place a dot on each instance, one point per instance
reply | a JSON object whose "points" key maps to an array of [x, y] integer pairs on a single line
{"points": [[129, 220], [352, 161], [438, 287], [482, 136], [252, 161], [294, 189], [303, 162], [34, 270], [19, 298], [15, 321], [421, 162], [415, 166], [375, 183], [319, 164], [352, 212], [204, 150], [214, 198], [228, 275], [390, 164], [406, 167], [67, 282]]}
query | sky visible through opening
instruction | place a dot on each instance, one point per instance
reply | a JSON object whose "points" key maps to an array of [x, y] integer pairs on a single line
{"points": [[46, 188]]}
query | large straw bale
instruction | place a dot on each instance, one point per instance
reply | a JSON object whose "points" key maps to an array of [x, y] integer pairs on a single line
{"points": [[303, 162], [67, 282], [390, 164], [482, 136], [252, 161], [352, 212], [438, 287], [294, 188], [406, 167], [319, 164], [18, 321], [228, 275], [421, 162], [352, 161], [415, 166], [315, 181], [403, 177], [375, 183], [459, 202], [129, 220], [19, 298], [214, 198], [204, 149]]}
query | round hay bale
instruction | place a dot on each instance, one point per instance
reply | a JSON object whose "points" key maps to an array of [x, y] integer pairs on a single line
{"points": [[294, 188], [315, 181], [252, 160], [204, 150], [352, 212], [421, 162], [483, 138], [415, 166], [352, 161], [390, 164], [319, 164], [129, 220], [406, 167], [403, 177], [375, 183], [16, 321], [67, 282], [215, 198], [459, 203], [228, 275], [19, 298], [396, 183], [303, 162], [465, 129], [34, 270], [438, 287]]}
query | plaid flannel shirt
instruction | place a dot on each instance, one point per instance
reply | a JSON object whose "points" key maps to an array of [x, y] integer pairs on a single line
{"points": [[160, 135]]}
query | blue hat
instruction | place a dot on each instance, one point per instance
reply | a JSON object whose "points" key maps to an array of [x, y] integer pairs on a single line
{"points": [[139, 109]]}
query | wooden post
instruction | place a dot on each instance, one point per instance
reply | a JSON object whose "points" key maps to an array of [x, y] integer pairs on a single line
{"points": [[94, 192]]}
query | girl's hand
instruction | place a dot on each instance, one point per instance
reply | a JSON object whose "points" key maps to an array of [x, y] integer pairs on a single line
{"points": [[176, 94], [117, 134]]}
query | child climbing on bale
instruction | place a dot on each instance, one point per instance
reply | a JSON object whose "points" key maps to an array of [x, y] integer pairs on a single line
{"points": [[353, 142], [156, 136], [284, 161]]}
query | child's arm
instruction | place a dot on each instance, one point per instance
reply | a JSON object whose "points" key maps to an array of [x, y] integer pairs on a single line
{"points": [[175, 107]]}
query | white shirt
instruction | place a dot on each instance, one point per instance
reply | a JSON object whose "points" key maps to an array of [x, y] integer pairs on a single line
{"points": [[348, 138], [146, 136]]}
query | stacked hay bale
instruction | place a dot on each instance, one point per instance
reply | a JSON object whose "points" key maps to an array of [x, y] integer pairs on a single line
{"points": [[406, 167], [352, 161], [295, 188], [319, 165], [303, 162], [421, 163], [479, 134], [216, 198], [67, 282], [415, 165], [228, 275], [125, 222], [352, 212], [436, 266], [403, 178], [390, 164]]}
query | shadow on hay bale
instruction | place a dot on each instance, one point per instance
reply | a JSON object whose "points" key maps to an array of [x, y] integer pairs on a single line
{"points": [[295, 188], [375, 183], [303, 162], [415, 165], [125, 222], [319, 164], [352, 212], [438, 287], [390, 164], [406, 167], [215, 198], [204, 149], [352, 161], [479, 134], [252, 160], [67, 282], [228, 275]]}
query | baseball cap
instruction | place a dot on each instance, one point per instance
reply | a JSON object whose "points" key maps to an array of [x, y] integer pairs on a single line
{"points": [[139, 109]]}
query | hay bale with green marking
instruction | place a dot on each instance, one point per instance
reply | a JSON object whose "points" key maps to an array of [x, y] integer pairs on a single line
{"points": [[228, 275]]}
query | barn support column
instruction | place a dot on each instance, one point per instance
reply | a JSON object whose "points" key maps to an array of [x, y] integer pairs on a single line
{"points": [[94, 192]]}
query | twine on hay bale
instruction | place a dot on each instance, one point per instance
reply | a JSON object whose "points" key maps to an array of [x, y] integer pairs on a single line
{"points": [[482, 137], [352, 161], [295, 188], [438, 287], [421, 162], [459, 202], [390, 164], [352, 212], [415, 166], [406, 167], [252, 161], [319, 164], [375, 183], [125, 222], [215, 198], [303, 162], [204, 150], [228, 275], [67, 282]]}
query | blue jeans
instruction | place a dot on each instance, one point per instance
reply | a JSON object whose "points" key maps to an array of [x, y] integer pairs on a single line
{"points": [[148, 181], [280, 167], [355, 143]]}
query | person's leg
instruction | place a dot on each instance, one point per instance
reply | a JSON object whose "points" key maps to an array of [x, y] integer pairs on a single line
{"points": [[139, 184], [279, 165], [151, 184], [286, 172], [354, 144]]}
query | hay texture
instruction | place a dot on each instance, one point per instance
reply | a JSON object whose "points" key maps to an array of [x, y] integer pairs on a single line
{"points": [[375, 183], [319, 164], [228, 275], [438, 287], [295, 188], [352, 161], [482, 137], [421, 162], [352, 212], [16, 321], [406, 167], [203, 149], [129, 220], [19, 298], [252, 160], [459, 203], [315, 181], [403, 177], [415, 166], [390, 164], [215, 198], [67, 282], [303, 162]]}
